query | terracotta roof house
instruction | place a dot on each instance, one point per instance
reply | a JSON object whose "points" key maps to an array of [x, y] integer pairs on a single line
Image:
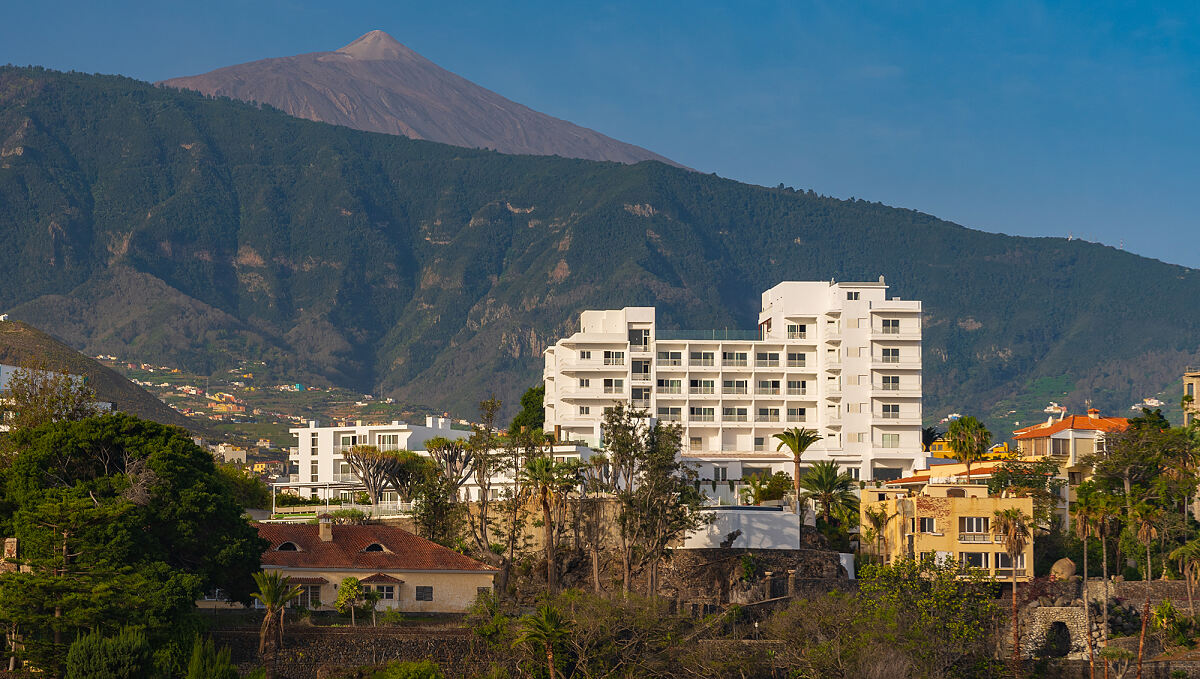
{"points": [[410, 573], [1068, 439]]}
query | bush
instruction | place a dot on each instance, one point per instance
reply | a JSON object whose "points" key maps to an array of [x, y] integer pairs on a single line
{"points": [[124, 656], [424, 669], [209, 663]]}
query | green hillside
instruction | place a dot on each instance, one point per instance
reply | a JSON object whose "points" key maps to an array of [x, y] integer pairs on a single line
{"points": [[21, 344], [153, 223]]}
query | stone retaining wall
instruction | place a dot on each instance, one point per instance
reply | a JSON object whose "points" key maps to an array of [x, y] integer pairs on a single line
{"points": [[1175, 590]]}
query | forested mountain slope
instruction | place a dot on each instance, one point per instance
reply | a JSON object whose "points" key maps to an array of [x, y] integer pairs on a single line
{"points": [[160, 224]]}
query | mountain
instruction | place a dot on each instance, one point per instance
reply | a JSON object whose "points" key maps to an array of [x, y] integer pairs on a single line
{"points": [[149, 222], [377, 84], [21, 343]]}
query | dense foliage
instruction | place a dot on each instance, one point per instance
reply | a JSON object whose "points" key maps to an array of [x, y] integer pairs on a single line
{"points": [[210, 231], [120, 522]]}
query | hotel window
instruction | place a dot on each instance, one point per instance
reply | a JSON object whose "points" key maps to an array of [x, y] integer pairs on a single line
{"points": [[795, 331], [974, 559], [585, 410], [734, 387], [891, 356], [890, 441], [795, 359], [733, 358], [640, 394], [312, 443], [767, 359], [585, 355], [928, 525], [702, 386], [670, 386], [859, 437], [852, 296], [759, 442], [891, 383], [891, 411], [973, 524], [796, 387], [388, 441], [891, 326], [720, 473], [796, 415], [670, 358], [639, 337], [614, 385], [614, 358], [695, 443], [768, 414], [701, 358], [584, 383], [1004, 561], [768, 387], [424, 593], [733, 415], [701, 414], [314, 470]]}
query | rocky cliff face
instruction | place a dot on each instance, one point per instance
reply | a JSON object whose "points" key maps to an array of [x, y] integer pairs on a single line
{"points": [[379, 85]]}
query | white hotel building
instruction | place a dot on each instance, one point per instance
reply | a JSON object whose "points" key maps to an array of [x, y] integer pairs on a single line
{"points": [[840, 358]]}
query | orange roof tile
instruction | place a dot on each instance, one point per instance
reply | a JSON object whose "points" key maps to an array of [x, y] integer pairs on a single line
{"points": [[403, 550], [1080, 422]]}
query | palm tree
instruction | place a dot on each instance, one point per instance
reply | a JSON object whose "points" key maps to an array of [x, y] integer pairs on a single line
{"points": [[275, 592], [797, 440], [1012, 527], [878, 518], [755, 489], [546, 628], [1189, 555], [831, 489], [929, 436], [1106, 511], [545, 479], [1147, 518], [969, 440], [1085, 527]]}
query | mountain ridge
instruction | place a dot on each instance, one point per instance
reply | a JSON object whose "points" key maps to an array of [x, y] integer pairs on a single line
{"points": [[377, 84], [201, 232]]}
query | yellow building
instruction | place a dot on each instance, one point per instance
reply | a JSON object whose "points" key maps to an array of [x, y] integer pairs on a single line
{"points": [[941, 448], [1191, 389], [942, 521]]}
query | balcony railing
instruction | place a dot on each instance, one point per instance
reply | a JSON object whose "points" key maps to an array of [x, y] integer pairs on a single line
{"points": [[614, 361], [670, 362], [734, 362], [735, 390], [697, 417], [797, 335], [701, 390], [670, 417], [614, 390], [674, 389], [640, 403], [974, 537], [767, 391], [795, 364], [345, 478], [797, 392], [768, 417], [639, 348], [737, 417], [797, 418], [774, 363], [702, 362], [641, 377]]}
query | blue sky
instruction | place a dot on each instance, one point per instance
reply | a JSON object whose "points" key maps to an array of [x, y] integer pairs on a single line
{"points": [[1026, 118]]}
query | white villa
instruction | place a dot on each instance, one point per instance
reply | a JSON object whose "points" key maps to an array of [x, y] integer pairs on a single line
{"points": [[840, 358]]}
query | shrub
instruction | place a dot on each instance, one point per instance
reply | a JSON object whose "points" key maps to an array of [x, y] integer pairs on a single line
{"points": [[209, 663], [424, 669], [124, 656]]}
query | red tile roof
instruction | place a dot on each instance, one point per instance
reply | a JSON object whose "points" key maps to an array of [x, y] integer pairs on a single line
{"points": [[1082, 422], [380, 578], [403, 551]]}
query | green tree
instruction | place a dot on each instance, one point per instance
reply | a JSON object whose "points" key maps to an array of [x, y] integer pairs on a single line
{"points": [[1189, 555], [436, 513], [929, 436], [969, 440], [1037, 479], [404, 470], [350, 597], [453, 458], [549, 482], [797, 440], [207, 662], [38, 395], [1011, 526], [371, 466], [1147, 518], [120, 522], [275, 592], [125, 655], [877, 523], [1084, 523], [544, 629], [247, 490], [533, 412], [831, 489]]}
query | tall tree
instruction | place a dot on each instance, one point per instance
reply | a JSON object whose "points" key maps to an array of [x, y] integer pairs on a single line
{"points": [[403, 471], [548, 481], [1011, 526], [275, 592], [797, 440], [929, 436], [489, 460], [1147, 517], [371, 465], [1189, 557], [533, 411], [969, 440], [877, 522], [1084, 523], [38, 395], [595, 487], [831, 489], [350, 596], [454, 458]]}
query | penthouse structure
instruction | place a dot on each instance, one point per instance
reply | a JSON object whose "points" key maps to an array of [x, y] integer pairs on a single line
{"points": [[840, 358]]}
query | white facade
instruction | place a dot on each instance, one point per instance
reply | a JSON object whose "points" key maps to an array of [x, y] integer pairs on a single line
{"points": [[839, 358], [318, 451]]}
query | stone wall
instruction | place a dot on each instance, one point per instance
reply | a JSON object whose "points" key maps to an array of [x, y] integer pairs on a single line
{"points": [[1175, 590], [717, 575], [1038, 621], [316, 652]]}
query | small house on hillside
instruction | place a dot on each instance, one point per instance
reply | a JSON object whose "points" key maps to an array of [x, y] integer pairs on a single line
{"points": [[410, 573]]}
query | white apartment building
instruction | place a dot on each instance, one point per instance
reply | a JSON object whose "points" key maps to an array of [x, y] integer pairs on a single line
{"points": [[840, 358], [318, 451]]}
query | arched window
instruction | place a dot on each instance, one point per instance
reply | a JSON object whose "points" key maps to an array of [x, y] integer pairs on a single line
{"points": [[287, 547], [374, 547]]}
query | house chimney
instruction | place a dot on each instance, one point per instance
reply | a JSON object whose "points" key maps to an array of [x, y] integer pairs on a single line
{"points": [[325, 527], [1094, 413]]}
